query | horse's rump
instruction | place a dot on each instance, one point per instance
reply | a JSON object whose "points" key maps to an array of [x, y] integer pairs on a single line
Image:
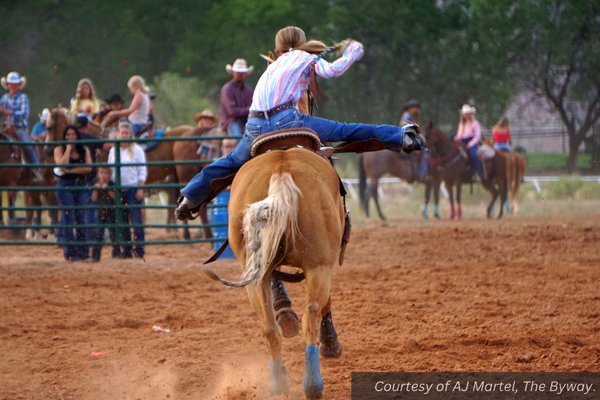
{"points": [[299, 193]]}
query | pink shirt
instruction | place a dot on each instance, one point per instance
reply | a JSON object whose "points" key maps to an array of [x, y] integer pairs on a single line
{"points": [[472, 131], [287, 79]]}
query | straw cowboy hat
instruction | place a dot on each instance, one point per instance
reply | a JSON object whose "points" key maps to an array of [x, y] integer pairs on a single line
{"points": [[207, 113], [13, 77], [467, 109], [240, 66]]}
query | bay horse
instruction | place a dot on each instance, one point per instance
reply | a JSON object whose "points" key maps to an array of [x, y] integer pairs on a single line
{"points": [[374, 165], [10, 176], [286, 209], [452, 161]]}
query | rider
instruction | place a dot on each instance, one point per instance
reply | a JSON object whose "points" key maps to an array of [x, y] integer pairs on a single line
{"points": [[15, 107], [274, 107], [501, 135], [469, 133], [412, 111], [236, 98], [139, 109], [85, 101]]}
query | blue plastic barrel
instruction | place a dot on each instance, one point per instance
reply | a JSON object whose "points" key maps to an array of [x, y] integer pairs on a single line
{"points": [[221, 216]]}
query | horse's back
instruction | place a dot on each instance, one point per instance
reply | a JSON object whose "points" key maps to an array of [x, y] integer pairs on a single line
{"points": [[320, 208]]}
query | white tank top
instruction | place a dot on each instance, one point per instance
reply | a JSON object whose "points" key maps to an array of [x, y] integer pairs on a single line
{"points": [[140, 116]]}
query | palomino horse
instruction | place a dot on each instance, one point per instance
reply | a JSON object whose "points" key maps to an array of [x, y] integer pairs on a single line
{"points": [[286, 209], [374, 165]]}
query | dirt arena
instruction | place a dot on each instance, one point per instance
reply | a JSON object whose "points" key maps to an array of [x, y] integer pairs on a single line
{"points": [[479, 295]]}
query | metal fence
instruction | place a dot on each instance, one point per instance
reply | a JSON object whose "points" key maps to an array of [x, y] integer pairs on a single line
{"points": [[118, 187]]}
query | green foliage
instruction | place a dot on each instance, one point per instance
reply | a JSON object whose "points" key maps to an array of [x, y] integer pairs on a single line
{"points": [[554, 161], [564, 188], [178, 99], [589, 191]]}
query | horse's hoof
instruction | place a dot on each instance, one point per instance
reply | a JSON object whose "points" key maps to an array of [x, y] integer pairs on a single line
{"points": [[333, 351], [438, 217], [279, 384], [288, 322]]}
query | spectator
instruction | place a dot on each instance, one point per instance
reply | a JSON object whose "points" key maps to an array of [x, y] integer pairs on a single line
{"points": [[228, 145], [72, 178], [15, 107], [469, 133], [85, 101], [206, 119], [236, 98], [131, 153], [137, 113], [501, 135], [39, 130], [105, 198]]}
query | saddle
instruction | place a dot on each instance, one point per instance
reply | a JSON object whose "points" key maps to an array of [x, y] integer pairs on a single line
{"points": [[282, 140]]}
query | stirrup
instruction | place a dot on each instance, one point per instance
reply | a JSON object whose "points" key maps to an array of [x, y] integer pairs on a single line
{"points": [[186, 210]]}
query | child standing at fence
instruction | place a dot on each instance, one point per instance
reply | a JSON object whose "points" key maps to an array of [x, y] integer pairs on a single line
{"points": [[105, 197]]}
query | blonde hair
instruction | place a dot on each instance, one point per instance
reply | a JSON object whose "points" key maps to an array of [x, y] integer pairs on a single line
{"points": [[294, 38], [138, 82], [502, 122], [82, 82], [131, 148]]}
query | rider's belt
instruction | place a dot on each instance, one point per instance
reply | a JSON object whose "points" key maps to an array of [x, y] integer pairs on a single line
{"points": [[272, 111]]}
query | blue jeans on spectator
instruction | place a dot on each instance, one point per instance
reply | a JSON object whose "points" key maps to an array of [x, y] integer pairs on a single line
{"points": [[75, 251], [24, 137], [105, 216], [198, 189], [473, 158], [235, 128], [132, 216]]}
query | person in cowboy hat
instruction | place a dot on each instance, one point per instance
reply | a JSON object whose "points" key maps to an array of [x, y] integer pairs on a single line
{"points": [[206, 118], [114, 102], [236, 98], [274, 107], [15, 107], [469, 133], [411, 113], [39, 130]]}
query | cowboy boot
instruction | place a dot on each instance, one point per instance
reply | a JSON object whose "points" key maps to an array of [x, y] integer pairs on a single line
{"points": [[186, 210], [413, 140]]}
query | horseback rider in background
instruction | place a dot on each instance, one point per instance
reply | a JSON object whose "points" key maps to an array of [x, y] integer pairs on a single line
{"points": [[15, 107]]}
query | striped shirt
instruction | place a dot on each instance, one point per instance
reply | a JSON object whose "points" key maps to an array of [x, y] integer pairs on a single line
{"points": [[19, 105], [287, 79]]}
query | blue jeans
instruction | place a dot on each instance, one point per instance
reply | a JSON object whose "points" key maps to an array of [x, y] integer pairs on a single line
{"points": [[132, 216], [24, 137], [136, 128], [502, 146], [235, 128], [198, 189], [105, 216], [76, 251], [473, 157]]}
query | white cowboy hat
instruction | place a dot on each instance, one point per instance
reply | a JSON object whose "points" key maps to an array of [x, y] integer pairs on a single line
{"points": [[240, 66], [13, 77], [45, 114], [467, 109]]}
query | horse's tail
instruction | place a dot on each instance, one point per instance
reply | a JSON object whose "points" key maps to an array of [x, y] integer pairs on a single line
{"points": [[362, 183], [270, 228]]}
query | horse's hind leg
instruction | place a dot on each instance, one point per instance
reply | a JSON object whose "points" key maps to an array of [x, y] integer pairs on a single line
{"points": [[375, 194], [330, 346], [261, 298], [428, 185], [286, 316], [317, 290]]}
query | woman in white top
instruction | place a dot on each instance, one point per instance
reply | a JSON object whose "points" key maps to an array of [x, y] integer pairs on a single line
{"points": [[139, 109], [131, 153]]}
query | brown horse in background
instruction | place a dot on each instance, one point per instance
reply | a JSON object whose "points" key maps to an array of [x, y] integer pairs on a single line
{"points": [[374, 165], [452, 161], [187, 150], [286, 210], [11, 176]]}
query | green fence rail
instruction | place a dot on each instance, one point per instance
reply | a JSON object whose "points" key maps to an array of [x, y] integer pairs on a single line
{"points": [[11, 210]]}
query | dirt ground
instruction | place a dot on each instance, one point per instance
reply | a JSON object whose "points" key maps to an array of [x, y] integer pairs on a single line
{"points": [[479, 295]]}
